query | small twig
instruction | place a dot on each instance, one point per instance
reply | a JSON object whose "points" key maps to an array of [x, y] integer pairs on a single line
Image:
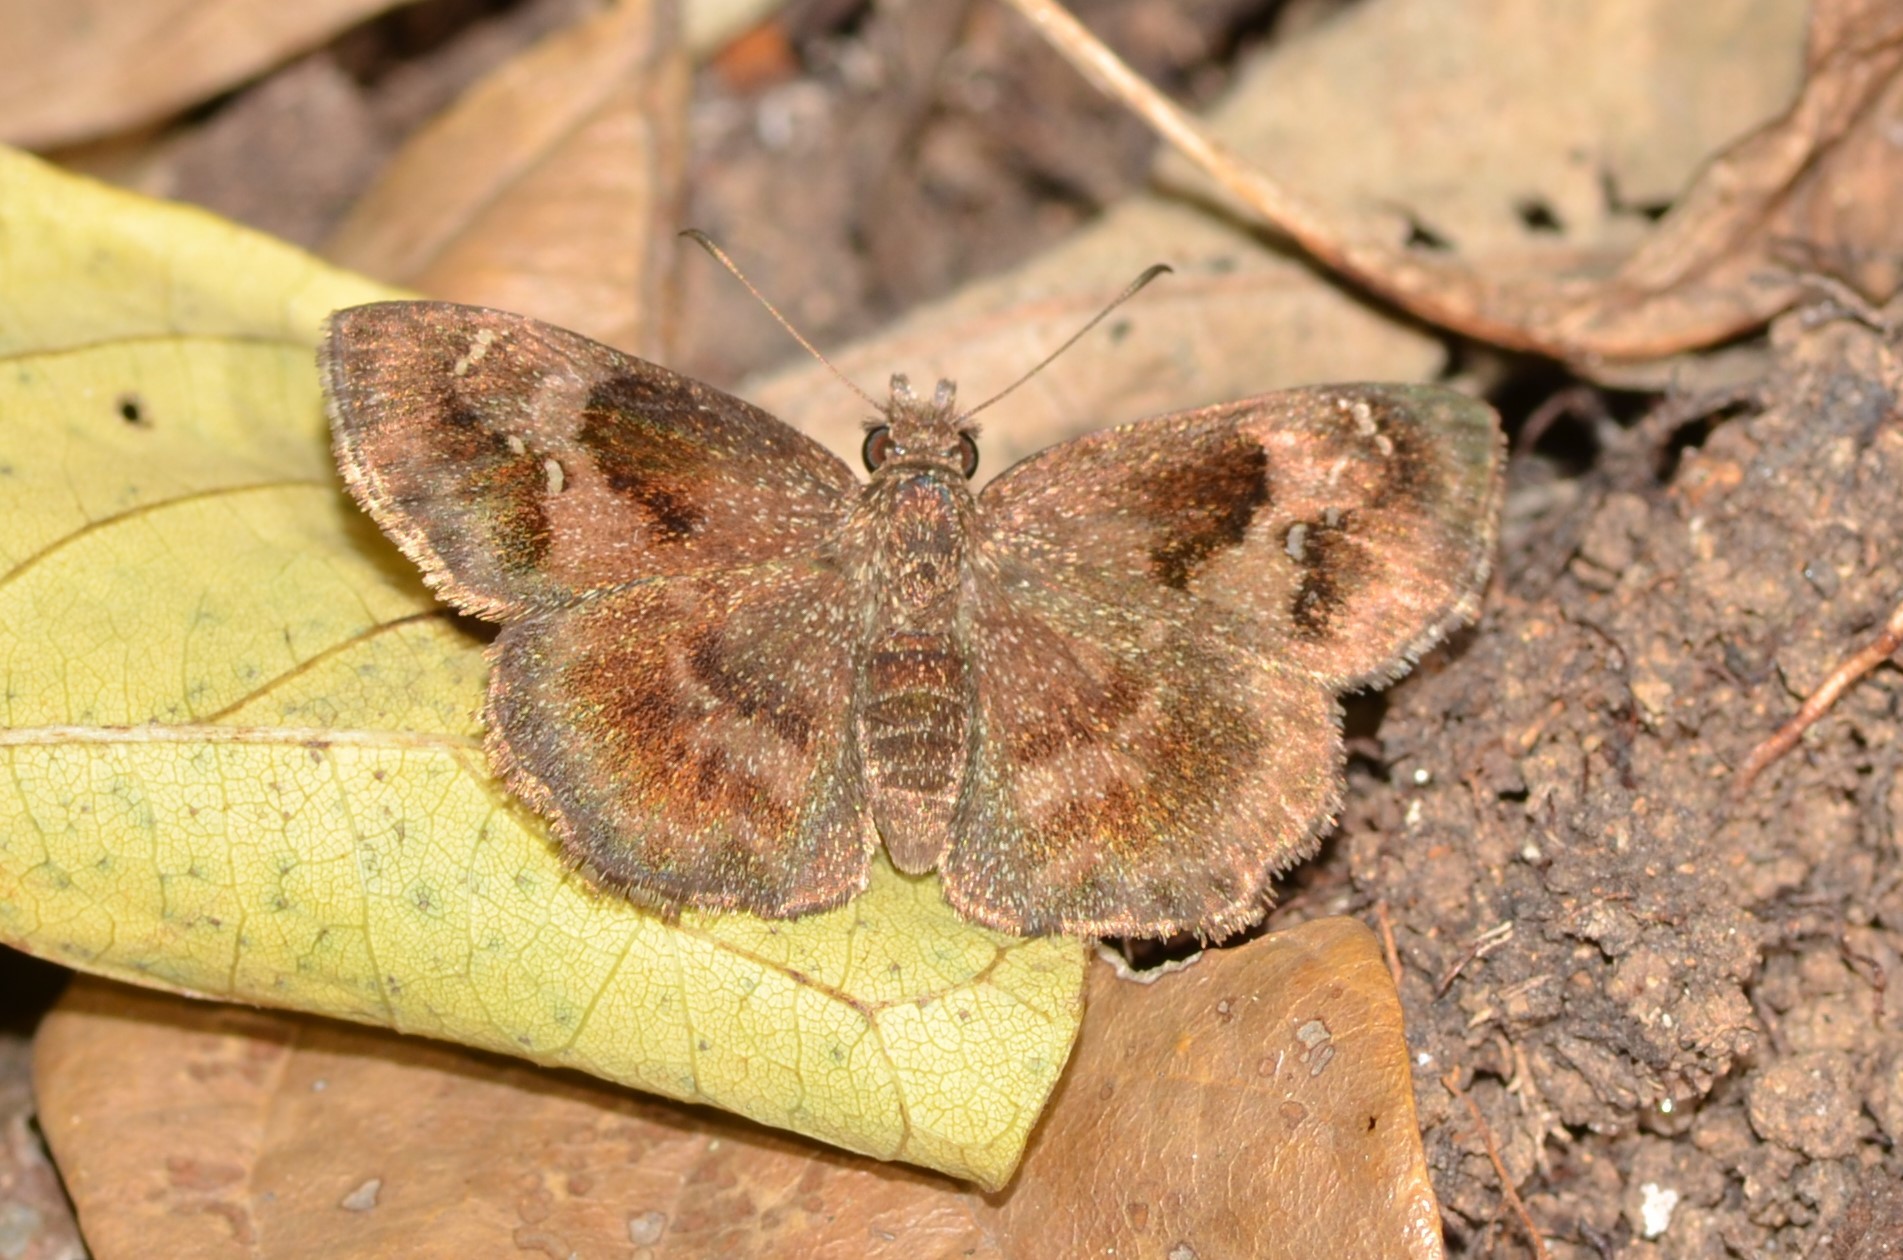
{"points": [[1773, 1027], [1452, 1083], [1820, 701], [1879, 978], [1581, 402], [1387, 942], [1484, 944], [1658, 425], [1832, 299]]}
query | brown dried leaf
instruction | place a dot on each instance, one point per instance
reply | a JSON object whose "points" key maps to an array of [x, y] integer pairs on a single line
{"points": [[1354, 114], [254, 1134], [1533, 132], [1817, 182], [1259, 1103], [1225, 1110], [1813, 191], [547, 189], [83, 68]]}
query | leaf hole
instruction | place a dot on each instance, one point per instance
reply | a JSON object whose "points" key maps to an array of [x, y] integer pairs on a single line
{"points": [[1537, 215], [1616, 202], [132, 410], [1422, 237]]}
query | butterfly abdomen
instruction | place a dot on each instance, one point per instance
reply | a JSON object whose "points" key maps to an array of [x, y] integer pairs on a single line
{"points": [[913, 730]]}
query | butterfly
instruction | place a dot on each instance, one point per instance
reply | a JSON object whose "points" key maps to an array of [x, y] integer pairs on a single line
{"points": [[1098, 696]]}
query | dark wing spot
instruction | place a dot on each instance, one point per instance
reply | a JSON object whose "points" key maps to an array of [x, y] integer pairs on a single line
{"points": [[733, 791], [461, 431], [1200, 746], [648, 759], [1333, 566], [519, 529], [632, 427], [674, 515], [749, 686], [620, 696], [508, 488], [1080, 823], [1203, 505], [1207, 741]]}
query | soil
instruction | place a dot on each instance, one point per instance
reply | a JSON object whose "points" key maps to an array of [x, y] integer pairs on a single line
{"points": [[1667, 996], [1665, 989]]}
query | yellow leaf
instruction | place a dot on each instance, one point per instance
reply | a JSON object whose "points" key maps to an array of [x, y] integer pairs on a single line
{"points": [[242, 760]]}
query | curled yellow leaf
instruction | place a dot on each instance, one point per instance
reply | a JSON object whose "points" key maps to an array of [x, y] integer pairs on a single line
{"points": [[242, 759]]}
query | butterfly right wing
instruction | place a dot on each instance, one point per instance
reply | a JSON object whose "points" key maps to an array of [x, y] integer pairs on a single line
{"points": [[521, 465], [691, 737], [1351, 525]]}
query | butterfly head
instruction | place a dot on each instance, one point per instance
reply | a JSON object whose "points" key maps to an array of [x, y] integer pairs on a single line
{"points": [[914, 433]]}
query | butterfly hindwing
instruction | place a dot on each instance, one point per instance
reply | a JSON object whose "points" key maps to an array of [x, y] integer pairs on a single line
{"points": [[1141, 770], [690, 737]]}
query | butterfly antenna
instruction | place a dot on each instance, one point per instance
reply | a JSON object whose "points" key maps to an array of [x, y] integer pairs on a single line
{"points": [[1149, 273], [706, 242]]}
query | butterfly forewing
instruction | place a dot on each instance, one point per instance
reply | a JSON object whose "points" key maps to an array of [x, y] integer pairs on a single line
{"points": [[1349, 525], [521, 465]]}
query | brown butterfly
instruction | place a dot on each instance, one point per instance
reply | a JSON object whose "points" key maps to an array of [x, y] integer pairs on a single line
{"points": [[1098, 696]]}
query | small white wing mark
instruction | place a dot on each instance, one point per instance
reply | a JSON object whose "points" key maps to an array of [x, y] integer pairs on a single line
{"points": [[1296, 544], [1365, 426], [556, 477], [485, 337]]}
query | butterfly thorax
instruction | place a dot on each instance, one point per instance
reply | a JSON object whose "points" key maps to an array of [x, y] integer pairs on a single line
{"points": [[907, 542]]}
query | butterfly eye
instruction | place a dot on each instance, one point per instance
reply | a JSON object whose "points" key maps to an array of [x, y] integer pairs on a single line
{"points": [[878, 448], [968, 452]]}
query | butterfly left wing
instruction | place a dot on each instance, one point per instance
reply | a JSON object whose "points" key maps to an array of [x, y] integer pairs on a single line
{"points": [[1164, 615], [521, 465], [1351, 525], [1139, 768]]}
